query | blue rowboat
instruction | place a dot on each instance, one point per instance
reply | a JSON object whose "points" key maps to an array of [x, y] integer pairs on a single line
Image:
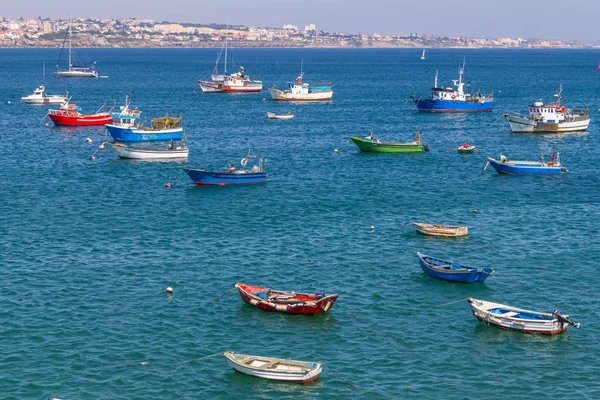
{"points": [[232, 175], [453, 271], [128, 129], [504, 166]]}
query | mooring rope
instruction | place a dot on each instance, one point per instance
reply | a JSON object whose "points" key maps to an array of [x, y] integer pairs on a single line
{"points": [[224, 294], [496, 120], [435, 306], [353, 386], [201, 358]]}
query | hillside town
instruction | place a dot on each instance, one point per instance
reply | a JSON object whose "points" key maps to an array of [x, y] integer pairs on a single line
{"points": [[131, 32]]}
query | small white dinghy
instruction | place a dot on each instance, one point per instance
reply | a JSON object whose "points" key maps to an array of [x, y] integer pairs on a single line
{"points": [[280, 116], [277, 369], [170, 152], [517, 319]]}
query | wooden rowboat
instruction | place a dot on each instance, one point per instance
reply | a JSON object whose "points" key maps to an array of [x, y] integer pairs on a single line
{"points": [[453, 271], [277, 369], [441, 230], [285, 301], [280, 116], [517, 319]]}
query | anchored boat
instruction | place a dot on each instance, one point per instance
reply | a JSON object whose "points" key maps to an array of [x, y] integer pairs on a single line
{"points": [[465, 148], [454, 100], [440, 230], [70, 115], [302, 91], [39, 95], [74, 71], [372, 144], [452, 271], [171, 152], [515, 167], [552, 118], [127, 128], [517, 319], [271, 115], [286, 301], [277, 369], [232, 175]]}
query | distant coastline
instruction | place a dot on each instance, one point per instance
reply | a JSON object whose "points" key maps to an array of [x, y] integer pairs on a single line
{"points": [[134, 33]]}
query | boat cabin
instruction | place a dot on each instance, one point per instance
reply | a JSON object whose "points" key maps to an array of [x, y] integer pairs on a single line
{"points": [[551, 113]]}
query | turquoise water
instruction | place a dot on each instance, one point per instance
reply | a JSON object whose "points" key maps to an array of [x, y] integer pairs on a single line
{"points": [[88, 247]]}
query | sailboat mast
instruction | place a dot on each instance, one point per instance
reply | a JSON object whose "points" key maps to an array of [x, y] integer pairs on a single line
{"points": [[70, 33], [226, 39]]}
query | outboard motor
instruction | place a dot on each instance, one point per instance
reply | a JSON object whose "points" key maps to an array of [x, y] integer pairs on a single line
{"points": [[564, 319]]}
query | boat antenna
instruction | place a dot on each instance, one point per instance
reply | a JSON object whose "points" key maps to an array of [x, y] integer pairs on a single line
{"points": [[43, 73], [301, 68], [435, 81]]}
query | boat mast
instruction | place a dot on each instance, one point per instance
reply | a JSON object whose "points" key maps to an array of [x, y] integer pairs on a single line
{"points": [[435, 81], [70, 33], [226, 38]]}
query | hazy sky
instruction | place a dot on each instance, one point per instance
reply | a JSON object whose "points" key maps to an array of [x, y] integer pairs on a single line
{"points": [[549, 19]]}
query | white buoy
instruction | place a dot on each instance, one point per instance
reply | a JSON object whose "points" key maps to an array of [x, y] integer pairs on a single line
{"points": [[92, 158], [47, 124], [372, 227], [335, 150], [101, 147], [8, 102], [474, 210], [144, 363], [169, 290], [88, 140]]}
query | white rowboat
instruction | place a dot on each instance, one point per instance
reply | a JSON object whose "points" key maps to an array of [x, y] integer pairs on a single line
{"points": [[277, 369], [517, 319], [280, 116], [149, 153]]}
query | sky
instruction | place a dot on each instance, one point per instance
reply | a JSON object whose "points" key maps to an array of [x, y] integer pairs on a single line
{"points": [[527, 19]]}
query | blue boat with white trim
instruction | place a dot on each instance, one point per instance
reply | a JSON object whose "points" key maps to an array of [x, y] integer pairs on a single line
{"points": [[453, 271], [128, 128], [454, 100], [515, 167], [232, 175]]}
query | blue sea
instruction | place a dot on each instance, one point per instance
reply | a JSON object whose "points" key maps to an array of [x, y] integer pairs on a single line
{"points": [[89, 246]]}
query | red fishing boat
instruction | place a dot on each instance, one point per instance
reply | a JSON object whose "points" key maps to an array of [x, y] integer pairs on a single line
{"points": [[287, 302], [71, 115]]}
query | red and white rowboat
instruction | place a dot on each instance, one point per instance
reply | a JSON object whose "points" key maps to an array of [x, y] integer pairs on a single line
{"points": [[69, 115], [287, 302]]}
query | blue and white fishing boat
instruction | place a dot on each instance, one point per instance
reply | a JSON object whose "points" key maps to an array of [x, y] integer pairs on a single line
{"points": [[232, 175], [514, 167], [453, 271], [128, 128], [454, 100], [517, 319]]}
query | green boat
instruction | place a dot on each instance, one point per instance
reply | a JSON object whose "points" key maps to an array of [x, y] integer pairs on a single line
{"points": [[371, 143], [465, 149]]}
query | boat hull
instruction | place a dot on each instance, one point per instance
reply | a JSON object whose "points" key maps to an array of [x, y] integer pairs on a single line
{"points": [[466, 150], [525, 167], [44, 100], [76, 74], [449, 106], [440, 230], [520, 124], [249, 88], [281, 95], [516, 319], [387, 147], [290, 303], [287, 371], [450, 271], [128, 134], [280, 116], [148, 153], [86, 120], [210, 87], [224, 178]]}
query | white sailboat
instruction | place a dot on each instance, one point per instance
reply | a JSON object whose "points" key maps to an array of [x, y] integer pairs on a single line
{"points": [[423, 55], [74, 71]]}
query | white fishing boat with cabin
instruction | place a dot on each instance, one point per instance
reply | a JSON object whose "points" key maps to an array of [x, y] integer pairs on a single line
{"points": [[549, 118], [39, 95], [302, 91], [278, 369]]}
